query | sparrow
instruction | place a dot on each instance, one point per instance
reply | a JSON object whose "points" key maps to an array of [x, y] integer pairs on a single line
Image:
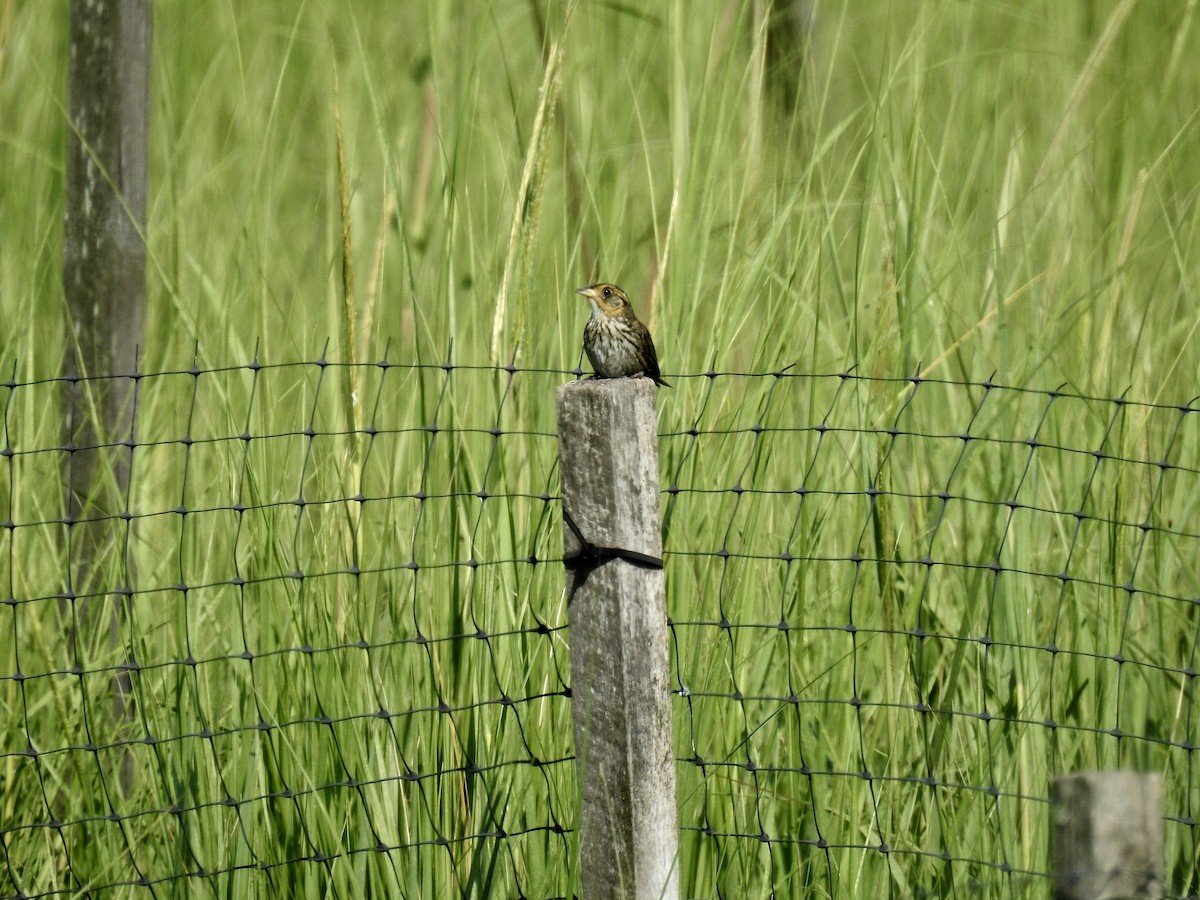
{"points": [[617, 344]]}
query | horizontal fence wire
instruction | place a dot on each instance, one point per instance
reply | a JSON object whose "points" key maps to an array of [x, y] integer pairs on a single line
{"points": [[342, 651], [307, 631], [912, 602]]}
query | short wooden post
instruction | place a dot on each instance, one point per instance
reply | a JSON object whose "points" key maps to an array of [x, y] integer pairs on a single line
{"points": [[612, 536], [1107, 835]]}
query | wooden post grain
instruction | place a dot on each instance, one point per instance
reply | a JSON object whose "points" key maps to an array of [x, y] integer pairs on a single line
{"points": [[612, 535], [1108, 835]]}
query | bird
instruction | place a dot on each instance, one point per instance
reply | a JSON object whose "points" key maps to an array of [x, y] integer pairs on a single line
{"points": [[617, 344]]}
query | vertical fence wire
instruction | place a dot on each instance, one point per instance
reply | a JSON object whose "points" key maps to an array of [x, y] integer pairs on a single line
{"points": [[956, 590], [329, 638]]}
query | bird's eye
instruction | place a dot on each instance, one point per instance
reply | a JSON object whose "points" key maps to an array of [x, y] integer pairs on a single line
{"points": [[608, 292]]}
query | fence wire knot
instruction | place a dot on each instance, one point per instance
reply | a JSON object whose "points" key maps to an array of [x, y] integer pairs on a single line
{"points": [[589, 556]]}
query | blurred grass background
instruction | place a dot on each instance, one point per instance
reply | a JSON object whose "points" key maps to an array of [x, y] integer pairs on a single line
{"points": [[951, 189]]}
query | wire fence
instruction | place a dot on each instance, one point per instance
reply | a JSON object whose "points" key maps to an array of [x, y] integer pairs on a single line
{"points": [[306, 631]]}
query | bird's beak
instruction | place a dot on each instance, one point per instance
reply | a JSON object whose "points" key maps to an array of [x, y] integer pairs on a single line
{"points": [[586, 291]]}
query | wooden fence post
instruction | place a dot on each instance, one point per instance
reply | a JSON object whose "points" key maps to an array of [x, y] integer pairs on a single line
{"points": [[1107, 835], [104, 284], [612, 536]]}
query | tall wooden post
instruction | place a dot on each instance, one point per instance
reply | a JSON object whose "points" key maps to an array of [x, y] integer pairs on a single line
{"points": [[1108, 835], [104, 272], [612, 536]]}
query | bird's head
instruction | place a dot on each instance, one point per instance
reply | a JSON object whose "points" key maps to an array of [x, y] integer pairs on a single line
{"points": [[607, 299]]}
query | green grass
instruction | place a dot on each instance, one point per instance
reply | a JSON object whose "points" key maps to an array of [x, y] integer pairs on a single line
{"points": [[958, 190]]}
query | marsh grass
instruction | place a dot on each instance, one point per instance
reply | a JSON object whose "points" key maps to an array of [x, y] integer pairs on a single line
{"points": [[963, 192]]}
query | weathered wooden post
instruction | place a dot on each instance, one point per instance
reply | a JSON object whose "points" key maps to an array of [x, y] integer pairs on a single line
{"points": [[104, 282], [612, 536], [1107, 835]]}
